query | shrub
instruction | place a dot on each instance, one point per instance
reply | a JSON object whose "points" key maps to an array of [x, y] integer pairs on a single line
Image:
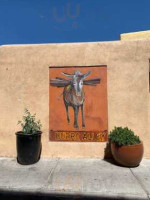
{"points": [[123, 136], [29, 124]]}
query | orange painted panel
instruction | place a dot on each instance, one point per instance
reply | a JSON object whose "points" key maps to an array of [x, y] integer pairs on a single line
{"points": [[94, 103]]}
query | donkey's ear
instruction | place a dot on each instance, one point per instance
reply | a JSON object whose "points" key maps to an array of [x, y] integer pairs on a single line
{"points": [[87, 74], [68, 75]]}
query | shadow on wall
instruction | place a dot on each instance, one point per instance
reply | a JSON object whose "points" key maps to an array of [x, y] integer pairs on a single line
{"points": [[108, 157], [107, 151]]}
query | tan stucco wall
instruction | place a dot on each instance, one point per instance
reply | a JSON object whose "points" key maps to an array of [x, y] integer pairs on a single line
{"points": [[135, 35], [24, 82], [141, 35]]}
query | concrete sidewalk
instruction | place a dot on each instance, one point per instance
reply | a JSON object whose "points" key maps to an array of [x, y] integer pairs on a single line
{"points": [[82, 178]]}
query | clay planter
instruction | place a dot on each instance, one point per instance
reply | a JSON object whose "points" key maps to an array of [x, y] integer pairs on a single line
{"points": [[28, 147], [129, 155]]}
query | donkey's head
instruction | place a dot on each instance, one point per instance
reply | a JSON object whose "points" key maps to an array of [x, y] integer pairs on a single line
{"points": [[77, 80]]}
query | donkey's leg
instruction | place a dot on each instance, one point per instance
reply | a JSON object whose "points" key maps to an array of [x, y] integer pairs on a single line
{"points": [[82, 112], [76, 110], [68, 119]]}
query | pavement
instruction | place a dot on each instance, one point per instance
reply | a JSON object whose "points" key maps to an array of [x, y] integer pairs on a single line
{"points": [[74, 179]]}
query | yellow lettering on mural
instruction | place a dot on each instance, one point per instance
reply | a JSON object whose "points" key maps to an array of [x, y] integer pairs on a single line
{"points": [[101, 136], [80, 136], [88, 136], [67, 136], [57, 135]]}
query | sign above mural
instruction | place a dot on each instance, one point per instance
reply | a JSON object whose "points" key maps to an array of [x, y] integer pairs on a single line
{"points": [[78, 103]]}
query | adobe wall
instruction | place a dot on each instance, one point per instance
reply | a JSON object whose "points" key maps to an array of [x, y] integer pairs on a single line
{"points": [[24, 82], [140, 35]]}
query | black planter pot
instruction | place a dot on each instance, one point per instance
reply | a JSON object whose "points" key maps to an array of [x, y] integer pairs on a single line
{"points": [[28, 147]]}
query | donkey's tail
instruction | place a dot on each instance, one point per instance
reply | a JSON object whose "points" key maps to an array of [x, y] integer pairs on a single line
{"points": [[59, 97]]}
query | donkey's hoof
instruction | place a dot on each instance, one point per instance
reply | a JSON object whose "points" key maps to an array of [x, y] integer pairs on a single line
{"points": [[83, 126], [76, 126], [69, 123]]}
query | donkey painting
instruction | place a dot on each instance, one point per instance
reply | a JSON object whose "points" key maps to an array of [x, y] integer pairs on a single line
{"points": [[73, 93]]}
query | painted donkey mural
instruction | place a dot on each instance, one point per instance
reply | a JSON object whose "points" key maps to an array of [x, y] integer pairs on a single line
{"points": [[73, 93]]}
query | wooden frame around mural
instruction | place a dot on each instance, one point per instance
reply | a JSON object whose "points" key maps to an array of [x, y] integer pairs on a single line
{"points": [[78, 103]]}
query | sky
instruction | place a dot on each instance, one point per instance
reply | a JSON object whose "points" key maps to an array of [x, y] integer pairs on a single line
{"points": [[59, 21]]}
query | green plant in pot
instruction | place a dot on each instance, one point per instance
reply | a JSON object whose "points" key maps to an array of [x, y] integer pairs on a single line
{"points": [[28, 140], [127, 148]]}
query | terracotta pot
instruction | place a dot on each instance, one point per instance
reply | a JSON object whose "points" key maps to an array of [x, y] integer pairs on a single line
{"points": [[129, 155]]}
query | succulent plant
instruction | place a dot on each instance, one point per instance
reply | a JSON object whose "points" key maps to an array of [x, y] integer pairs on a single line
{"points": [[123, 136]]}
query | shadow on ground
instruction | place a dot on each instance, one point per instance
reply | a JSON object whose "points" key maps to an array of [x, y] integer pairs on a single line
{"points": [[25, 196]]}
